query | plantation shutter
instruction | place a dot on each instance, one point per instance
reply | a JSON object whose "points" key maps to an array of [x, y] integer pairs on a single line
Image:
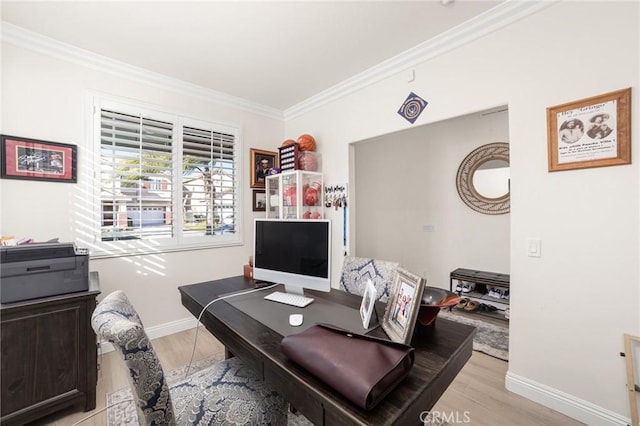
{"points": [[136, 176], [209, 181]]}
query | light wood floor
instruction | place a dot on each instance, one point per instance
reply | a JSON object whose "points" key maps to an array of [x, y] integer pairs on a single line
{"points": [[477, 394]]}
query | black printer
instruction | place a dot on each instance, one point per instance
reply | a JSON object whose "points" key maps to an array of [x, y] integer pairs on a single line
{"points": [[32, 271]]}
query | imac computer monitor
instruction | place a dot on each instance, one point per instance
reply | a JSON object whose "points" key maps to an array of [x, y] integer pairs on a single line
{"points": [[296, 253]]}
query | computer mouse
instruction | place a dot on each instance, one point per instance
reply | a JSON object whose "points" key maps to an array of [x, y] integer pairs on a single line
{"points": [[295, 320]]}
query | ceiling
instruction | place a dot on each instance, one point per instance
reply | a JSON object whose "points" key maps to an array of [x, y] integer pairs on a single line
{"points": [[275, 54]]}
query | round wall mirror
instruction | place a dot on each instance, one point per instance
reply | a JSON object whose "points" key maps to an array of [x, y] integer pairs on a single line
{"points": [[483, 179]]}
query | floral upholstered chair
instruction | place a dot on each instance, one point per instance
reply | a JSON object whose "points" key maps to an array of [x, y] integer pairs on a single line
{"points": [[226, 393], [356, 271]]}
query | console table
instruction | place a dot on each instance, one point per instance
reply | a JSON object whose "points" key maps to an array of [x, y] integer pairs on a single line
{"points": [[441, 353]]}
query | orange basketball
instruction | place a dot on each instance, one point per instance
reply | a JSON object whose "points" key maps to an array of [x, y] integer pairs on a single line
{"points": [[288, 142], [306, 142], [308, 161]]}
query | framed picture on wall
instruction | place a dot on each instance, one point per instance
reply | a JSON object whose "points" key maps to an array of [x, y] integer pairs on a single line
{"points": [[34, 159], [592, 132], [260, 163], [259, 200], [403, 305]]}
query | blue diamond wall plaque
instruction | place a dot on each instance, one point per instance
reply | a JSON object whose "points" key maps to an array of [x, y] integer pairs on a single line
{"points": [[412, 107]]}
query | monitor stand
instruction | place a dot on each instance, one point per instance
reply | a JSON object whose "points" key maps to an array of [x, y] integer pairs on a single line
{"points": [[294, 290]]}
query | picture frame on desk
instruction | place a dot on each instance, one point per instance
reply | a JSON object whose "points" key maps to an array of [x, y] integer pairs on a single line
{"points": [[34, 159], [403, 305], [367, 307]]}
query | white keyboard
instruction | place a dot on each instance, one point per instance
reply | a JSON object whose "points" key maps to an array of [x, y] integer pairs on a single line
{"points": [[289, 299]]}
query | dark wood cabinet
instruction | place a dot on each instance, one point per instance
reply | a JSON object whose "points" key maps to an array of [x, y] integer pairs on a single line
{"points": [[49, 356]]}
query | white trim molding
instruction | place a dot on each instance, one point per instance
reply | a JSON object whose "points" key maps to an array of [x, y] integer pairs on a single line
{"points": [[20, 37], [564, 403], [494, 19]]}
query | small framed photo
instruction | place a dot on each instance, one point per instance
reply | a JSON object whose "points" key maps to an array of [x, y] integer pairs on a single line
{"points": [[403, 305], [34, 159], [261, 163], [367, 307], [592, 132], [259, 200]]}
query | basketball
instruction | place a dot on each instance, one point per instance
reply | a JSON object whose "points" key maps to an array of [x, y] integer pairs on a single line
{"points": [[306, 143], [307, 161], [288, 142]]}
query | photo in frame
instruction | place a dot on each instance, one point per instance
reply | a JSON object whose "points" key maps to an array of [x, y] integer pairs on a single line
{"points": [[368, 312], [34, 159], [592, 132], [259, 200], [260, 163], [403, 305]]}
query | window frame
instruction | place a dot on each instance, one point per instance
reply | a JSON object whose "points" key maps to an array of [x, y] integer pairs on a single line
{"points": [[179, 240]]}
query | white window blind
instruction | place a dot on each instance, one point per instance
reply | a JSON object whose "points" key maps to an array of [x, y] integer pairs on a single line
{"points": [[209, 180], [172, 181], [136, 176]]}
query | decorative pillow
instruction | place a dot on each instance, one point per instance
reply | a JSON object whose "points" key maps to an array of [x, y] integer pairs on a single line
{"points": [[356, 271]]}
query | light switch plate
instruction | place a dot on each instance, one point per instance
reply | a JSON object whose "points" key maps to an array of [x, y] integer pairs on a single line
{"points": [[534, 247]]}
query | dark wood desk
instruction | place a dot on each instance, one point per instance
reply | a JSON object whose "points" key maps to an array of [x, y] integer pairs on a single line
{"points": [[442, 352]]}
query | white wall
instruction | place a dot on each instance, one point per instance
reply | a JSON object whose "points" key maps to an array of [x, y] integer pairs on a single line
{"points": [[44, 98], [570, 307], [406, 180]]}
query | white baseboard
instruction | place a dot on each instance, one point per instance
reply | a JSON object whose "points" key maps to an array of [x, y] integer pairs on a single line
{"points": [[564, 403], [158, 331]]}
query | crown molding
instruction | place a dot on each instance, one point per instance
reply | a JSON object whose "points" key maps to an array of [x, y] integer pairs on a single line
{"points": [[496, 18], [20, 37], [493, 19]]}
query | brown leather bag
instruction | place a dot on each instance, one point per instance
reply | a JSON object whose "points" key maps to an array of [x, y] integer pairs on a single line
{"points": [[364, 369]]}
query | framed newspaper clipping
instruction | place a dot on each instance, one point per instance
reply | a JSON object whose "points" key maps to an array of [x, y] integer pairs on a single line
{"points": [[592, 132]]}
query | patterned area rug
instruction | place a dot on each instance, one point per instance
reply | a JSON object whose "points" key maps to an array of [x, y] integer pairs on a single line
{"points": [[490, 339]]}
